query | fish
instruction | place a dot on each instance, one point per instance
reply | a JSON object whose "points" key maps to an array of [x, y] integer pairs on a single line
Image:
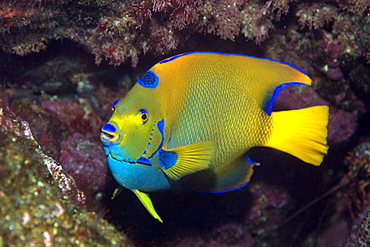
{"points": [[190, 120]]}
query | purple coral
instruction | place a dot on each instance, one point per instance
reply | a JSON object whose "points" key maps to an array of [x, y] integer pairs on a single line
{"points": [[85, 161], [119, 32]]}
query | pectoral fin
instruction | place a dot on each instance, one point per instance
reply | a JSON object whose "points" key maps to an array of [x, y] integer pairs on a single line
{"points": [[185, 160], [145, 200]]}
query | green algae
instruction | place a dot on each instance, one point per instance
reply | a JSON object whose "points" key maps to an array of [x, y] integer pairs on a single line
{"points": [[33, 210]]}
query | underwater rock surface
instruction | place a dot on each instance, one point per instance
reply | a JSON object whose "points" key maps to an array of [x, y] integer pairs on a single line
{"points": [[55, 186], [33, 210]]}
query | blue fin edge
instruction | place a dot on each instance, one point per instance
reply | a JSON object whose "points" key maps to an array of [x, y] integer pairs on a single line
{"points": [[233, 54], [217, 192], [250, 160], [268, 104]]}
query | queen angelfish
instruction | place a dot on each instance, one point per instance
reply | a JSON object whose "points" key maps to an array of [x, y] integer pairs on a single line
{"points": [[189, 121]]}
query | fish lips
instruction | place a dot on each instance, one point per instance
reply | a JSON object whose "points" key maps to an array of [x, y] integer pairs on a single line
{"points": [[106, 139], [115, 152]]}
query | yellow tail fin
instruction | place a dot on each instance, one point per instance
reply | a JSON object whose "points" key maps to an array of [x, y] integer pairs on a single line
{"points": [[301, 133]]}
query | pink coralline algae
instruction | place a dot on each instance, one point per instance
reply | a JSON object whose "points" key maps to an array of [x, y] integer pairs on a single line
{"points": [[57, 93], [68, 133], [11, 124], [84, 160], [81, 155], [77, 116], [349, 219], [42, 208], [342, 124]]}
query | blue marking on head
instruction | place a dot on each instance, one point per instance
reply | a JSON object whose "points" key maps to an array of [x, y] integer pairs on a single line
{"points": [[160, 126], [142, 111], [232, 54], [221, 191], [109, 127], [115, 103], [167, 159], [149, 80], [144, 160], [269, 102]]}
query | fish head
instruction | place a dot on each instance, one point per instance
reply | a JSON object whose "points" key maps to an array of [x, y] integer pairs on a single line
{"points": [[135, 131]]}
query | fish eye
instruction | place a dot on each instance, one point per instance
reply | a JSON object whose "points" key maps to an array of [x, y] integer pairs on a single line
{"points": [[143, 116], [114, 105]]}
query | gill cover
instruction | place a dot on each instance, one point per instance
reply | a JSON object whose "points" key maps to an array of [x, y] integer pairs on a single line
{"points": [[135, 131]]}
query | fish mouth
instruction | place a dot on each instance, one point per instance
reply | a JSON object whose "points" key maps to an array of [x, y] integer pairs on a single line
{"points": [[110, 134], [104, 136], [111, 139]]}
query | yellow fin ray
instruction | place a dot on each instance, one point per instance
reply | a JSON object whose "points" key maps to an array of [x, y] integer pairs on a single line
{"points": [[190, 159], [301, 133], [116, 192], [145, 200]]}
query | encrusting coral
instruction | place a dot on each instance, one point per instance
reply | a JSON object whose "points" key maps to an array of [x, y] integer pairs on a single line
{"points": [[118, 31], [32, 209], [56, 92]]}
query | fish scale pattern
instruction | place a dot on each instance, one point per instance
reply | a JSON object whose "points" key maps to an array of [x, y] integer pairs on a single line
{"points": [[206, 117]]}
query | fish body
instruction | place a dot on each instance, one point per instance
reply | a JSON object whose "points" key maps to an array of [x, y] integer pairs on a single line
{"points": [[190, 120]]}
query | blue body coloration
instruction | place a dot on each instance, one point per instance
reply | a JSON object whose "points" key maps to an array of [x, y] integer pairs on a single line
{"points": [[148, 178]]}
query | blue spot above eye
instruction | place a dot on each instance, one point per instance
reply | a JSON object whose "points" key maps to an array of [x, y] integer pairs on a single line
{"points": [[142, 111], [115, 103], [148, 80]]}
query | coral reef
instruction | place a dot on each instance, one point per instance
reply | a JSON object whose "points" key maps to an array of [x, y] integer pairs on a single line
{"points": [[351, 203], [54, 100], [119, 31], [33, 211], [364, 237]]}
